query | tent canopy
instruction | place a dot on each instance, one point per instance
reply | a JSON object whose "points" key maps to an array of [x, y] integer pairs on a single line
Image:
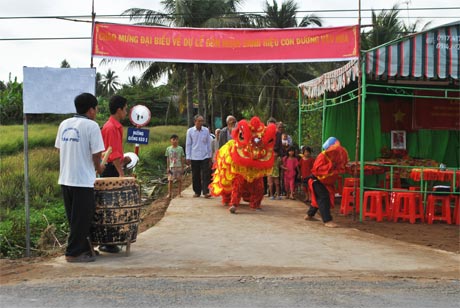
{"points": [[423, 67], [429, 55], [432, 54]]}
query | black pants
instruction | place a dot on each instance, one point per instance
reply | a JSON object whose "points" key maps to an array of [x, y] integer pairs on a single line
{"points": [[323, 200], [201, 176], [110, 171], [80, 204]]}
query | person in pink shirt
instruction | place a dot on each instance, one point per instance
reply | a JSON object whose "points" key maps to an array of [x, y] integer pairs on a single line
{"points": [[291, 168]]}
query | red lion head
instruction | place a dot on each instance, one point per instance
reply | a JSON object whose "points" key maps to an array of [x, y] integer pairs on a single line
{"points": [[254, 144]]}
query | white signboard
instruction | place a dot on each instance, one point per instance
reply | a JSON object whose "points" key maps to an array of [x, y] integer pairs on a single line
{"points": [[52, 90]]}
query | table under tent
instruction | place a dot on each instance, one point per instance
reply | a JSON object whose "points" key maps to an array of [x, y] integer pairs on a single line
{"points": [[408, 114]]}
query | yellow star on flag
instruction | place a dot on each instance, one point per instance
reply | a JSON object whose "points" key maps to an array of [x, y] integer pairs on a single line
{"points": [[399, 115]]}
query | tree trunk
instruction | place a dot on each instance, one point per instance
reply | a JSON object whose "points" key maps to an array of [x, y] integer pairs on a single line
{"points": [[213, 101], [199, 89], [207, 112], [168, 111], [189, 87], [272, 103]]}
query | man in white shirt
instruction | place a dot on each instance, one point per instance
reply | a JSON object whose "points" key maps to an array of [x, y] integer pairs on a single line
{"points": [[198, 153], [80, 145]]}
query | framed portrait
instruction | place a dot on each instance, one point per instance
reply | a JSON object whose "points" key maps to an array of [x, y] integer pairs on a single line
{"points": [[398, 139]]}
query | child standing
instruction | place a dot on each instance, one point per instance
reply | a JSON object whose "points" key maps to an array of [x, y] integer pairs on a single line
{"points": [[306, 163], [291, 168], [274, 178], [175, 161]]}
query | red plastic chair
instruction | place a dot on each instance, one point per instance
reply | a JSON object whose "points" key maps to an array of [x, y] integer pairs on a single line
{"points": [[456, 218], [348, 199], [433, 212], [407, 206], [350, 182], [376, 205]]}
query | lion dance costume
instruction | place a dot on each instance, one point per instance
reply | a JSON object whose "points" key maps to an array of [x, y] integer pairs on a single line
{"points": [[326, 169], [242, 163]]}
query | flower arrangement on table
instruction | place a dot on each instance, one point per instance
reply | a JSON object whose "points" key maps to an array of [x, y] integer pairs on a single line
{"points": [[385, 152]]}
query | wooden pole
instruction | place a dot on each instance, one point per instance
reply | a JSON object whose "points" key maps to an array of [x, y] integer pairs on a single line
{"points": [[93, 20]]}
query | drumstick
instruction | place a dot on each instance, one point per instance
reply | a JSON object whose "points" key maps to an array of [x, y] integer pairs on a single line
{"points": [[106, 156]]}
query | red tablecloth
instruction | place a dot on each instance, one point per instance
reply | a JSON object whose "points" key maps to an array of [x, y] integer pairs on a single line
{"points": [[434, 175], [368, 169], [405, 163]]}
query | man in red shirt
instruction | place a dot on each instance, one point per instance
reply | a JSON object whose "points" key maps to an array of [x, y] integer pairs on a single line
{"points": [[112, 134]]}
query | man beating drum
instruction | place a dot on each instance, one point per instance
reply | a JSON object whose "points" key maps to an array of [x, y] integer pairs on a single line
{"points": [[112, 134]]}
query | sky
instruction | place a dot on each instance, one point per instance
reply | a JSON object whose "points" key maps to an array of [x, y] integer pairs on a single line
{"points": [[15, 54]]}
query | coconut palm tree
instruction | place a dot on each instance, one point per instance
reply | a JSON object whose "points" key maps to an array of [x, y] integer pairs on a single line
{"points": [[110, 83], [65, 64], [185, 13], [386, 26], [285, 16], [279, 74], [99, 85]]}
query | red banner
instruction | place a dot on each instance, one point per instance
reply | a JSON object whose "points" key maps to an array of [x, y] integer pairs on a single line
{"points": [[436, 113], [225, 45], [432, 112]]}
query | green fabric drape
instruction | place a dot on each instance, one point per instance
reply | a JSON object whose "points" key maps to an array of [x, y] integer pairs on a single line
{"points": [[452, 154], [340, 122], [372, 130]]}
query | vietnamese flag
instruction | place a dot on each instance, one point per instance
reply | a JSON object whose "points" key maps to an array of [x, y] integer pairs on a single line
{"points": [[395, 114]]}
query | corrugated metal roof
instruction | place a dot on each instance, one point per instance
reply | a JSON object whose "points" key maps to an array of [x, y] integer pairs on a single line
{"points": [[432, 54]]}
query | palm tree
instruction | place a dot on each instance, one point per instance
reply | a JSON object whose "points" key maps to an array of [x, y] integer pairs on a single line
{"points": [[133, 81], [285, 17], [386, 26], [275, 75], [185, 13], [110, 83], [99, 85], [65, 64]]}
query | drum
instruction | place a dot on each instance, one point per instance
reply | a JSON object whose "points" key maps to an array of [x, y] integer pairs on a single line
{"points": [[118, 207]]}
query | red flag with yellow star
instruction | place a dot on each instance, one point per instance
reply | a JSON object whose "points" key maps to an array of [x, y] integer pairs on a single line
{"points": [[395, 114]]}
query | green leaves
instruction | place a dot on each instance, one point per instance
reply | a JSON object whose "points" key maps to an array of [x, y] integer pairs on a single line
{"points": [[11, 103]]}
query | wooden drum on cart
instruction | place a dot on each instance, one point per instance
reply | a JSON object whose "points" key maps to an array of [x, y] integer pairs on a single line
{"points": [[118, 208]]}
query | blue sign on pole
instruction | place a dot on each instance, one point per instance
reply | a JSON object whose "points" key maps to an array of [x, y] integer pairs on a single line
{"points": [[138, 135]]}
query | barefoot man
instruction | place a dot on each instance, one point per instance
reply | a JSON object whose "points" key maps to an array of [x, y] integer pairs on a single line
{"points": [[328, 165]]}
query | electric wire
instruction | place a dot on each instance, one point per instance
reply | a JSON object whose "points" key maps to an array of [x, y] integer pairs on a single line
{"points": [[239, 13]]}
